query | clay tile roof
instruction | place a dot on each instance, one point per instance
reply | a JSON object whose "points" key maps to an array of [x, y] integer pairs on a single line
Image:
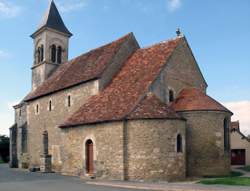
{"points": [[193, 99], [127, 88], [86, 67], [151, 107], [235, 125]]}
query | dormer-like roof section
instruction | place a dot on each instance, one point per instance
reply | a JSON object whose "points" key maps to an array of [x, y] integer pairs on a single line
{"points": [[53, 20]]}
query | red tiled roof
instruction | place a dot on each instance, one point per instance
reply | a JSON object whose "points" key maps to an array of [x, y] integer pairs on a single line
{"points": [[128, 87], [194, 99], [152, 108], [86, 67]]}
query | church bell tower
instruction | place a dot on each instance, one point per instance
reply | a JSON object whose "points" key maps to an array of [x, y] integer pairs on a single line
{"points": [[51, 42]]}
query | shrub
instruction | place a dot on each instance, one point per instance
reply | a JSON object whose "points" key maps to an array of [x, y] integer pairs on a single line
{"points": [[4, 148]]}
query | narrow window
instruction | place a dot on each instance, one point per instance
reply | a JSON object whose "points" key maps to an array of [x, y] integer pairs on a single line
{"points": [[69, 101], [59, 55], [179, 143], [42, 53], [50, 105], [226, 135], [171, 95], [20, 112], [89, 156], [37, 108], [38, 55], [53, 53]]}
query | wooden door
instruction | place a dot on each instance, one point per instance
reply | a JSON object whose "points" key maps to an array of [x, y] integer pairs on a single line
{"points": [[238, 157], [89, 157]]}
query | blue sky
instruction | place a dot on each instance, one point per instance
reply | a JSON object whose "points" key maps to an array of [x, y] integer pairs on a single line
{"points": [[218, 33]]}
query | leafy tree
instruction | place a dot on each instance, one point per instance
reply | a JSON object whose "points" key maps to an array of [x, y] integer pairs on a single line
{"points": [[4, 148]]}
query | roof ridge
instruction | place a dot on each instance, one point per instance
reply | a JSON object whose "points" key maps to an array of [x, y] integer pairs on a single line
{"points": [[100, 47], [162, 42]]}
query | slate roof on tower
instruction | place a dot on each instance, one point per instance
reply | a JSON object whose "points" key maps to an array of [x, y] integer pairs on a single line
{"points": [[53, 20]]}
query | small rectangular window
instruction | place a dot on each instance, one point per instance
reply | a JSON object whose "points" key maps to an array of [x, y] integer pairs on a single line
{"points": [[37, 108], [69, 101], [50, 105]]}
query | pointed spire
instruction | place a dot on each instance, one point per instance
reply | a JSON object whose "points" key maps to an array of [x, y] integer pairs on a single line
{"points": [[52, 19]]}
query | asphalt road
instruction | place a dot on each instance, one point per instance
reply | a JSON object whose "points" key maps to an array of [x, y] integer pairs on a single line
{"points": [[18, 180]]}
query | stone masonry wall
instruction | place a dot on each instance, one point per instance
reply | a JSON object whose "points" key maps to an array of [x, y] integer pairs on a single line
{"points": [[21, 120], [151, 150], [108, 150], [41, 71], [205, 143], [181, 71], [49, 120]]}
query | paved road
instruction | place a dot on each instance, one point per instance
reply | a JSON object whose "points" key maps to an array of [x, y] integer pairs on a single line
{"points": [[16, 180], [19, 180]]}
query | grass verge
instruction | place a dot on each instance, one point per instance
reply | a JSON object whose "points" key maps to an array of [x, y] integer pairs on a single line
{"points": [[232, 181], [232, 174]]}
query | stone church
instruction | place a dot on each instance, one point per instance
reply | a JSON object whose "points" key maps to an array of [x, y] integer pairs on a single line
{"points": [[119, 111]]}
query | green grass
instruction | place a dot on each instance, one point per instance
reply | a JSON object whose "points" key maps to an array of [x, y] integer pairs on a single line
{"points": [[245, 168], [236, 181], [1, 162], [232, 174]]}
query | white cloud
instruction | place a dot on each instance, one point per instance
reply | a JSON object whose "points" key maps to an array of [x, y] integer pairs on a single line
{"points": [[241, 110], [71, 5], [8, 10], [173, 5], [3, 55]]}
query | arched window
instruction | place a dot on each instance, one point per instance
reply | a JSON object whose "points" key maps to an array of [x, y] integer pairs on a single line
{"points": [[226, 135], [38, 55], [179, 143], [69, 101], [171, 95], [59, 54], [42, 53], [89, 156], [50, 105], [53, 53]]}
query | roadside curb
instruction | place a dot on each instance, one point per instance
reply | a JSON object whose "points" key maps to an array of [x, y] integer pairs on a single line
{"points": [[142, 187]]}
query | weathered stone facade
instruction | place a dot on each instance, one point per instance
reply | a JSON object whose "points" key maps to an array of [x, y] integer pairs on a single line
{"points": [[206, 155], [41, 70], [128, 150], [119, 111], [108, 150], [152, 150], [180, 72], [48, 120]]}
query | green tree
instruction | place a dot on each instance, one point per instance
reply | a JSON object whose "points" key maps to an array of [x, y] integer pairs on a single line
{"points": [[4, 148]]}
